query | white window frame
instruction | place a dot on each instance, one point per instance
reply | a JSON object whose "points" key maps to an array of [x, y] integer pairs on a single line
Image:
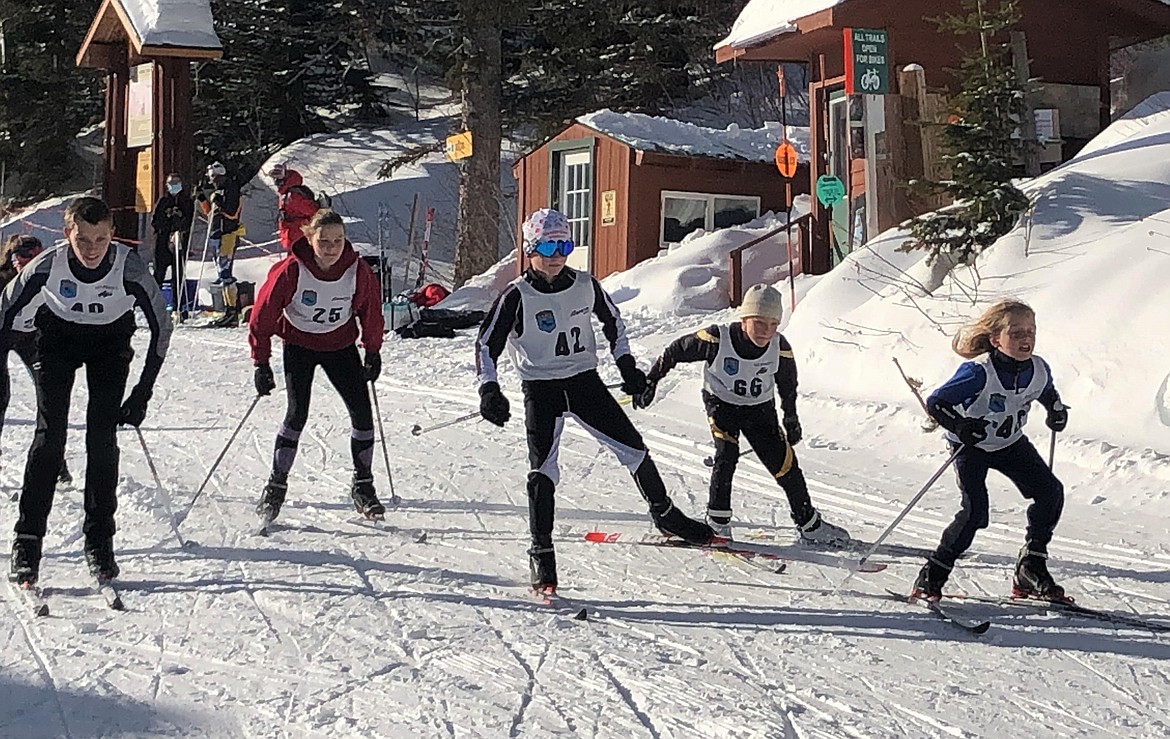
{"points": [[708, 210]]}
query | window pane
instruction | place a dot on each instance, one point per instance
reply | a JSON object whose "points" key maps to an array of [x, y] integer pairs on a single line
{"points": [[681, 216], [734, 211]]}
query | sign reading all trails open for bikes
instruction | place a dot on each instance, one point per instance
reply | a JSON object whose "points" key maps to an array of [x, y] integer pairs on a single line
{"points": [[867, 61]]}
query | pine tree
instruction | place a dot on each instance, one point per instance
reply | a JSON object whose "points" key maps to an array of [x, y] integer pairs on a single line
{"points": [[45, 99], [982, 141]]}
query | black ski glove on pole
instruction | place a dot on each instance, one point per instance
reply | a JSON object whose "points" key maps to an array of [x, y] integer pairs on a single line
{"points": [[792, 430], [633, 379], [493, 406], [373, 366], [646, 397], [134, 407], [265, 382], [1057, 417]]}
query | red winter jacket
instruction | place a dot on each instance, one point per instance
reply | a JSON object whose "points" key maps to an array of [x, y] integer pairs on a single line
{"points": [[279, 288], [296, 206]]}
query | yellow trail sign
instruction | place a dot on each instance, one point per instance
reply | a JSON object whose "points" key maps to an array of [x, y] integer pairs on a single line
{"points": [[459, 146]]}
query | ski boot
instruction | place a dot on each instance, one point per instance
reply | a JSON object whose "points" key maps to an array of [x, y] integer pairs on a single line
{"points": [[365, 500], [229, 319], [1032, 579], [99, 556], [721, 528], [273, 498], [26, 560], [931, 579], [673, 522], [542, 564], [819, 531]]}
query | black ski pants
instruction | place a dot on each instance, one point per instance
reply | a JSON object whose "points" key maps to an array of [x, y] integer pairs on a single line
{"points": [[344, 370], [547, 403], [24, 343], [761, 427], [165, 258], [1024, 466], [107, 366]]}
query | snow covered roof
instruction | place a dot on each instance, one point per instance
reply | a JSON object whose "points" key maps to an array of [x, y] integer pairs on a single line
{"points": [[185, 23], [761, 20], [666, 135], [182, 28]]}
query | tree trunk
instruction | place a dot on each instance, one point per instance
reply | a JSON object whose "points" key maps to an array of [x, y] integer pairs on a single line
{"points": [[477, 235]]}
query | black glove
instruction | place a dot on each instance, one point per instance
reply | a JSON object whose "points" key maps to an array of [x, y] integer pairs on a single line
{"points": [[265, 382], [792, 430], [134, 407], [373, 366], [971, 431], [633, 379], [493, 406], [1057, 417], [646, 397]]}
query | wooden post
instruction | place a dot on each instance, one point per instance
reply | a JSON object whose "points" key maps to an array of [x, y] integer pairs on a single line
{"points": [[120, 167], [736, 295], [1028, 124]]}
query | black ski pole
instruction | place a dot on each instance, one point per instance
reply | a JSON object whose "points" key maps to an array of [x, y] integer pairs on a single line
{"points": [[215, 465], [394, 499], [158, 483], [419, 429]]}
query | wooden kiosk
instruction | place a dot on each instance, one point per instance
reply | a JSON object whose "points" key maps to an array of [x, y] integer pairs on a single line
{"points": [[146, 49]]}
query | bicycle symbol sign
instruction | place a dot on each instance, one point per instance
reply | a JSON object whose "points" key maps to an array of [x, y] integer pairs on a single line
{"points": [[871, 80]]}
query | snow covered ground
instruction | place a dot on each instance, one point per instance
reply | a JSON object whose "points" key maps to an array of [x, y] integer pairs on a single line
{"points": [[330, 628]]}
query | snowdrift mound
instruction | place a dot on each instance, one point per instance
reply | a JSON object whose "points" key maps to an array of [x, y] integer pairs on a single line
{"points": [[1092, 256]]}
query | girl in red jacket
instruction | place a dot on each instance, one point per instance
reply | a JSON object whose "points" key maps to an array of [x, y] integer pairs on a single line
{"points": [[295, 206], [314, 299]]}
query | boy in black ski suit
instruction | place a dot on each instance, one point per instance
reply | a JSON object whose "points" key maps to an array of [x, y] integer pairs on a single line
{"points": [[90, 287], [743, 363], [545, 318]]}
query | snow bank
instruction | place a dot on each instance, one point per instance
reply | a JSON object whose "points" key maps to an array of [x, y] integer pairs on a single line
{"points": [[173, 23], [695, 276], [1092, 258], [654, 133], [761, 20], [480, 291], [45, 220]]}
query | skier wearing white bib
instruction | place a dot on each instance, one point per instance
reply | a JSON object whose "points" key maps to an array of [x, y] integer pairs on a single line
{"points": [[90, 287], [545, 319], [984, 408], [314, 299], [745, 363]]}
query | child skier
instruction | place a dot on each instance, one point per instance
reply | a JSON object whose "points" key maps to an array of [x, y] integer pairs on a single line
{"points": [[984, 408], [18, 251], [743, 363], [314, 300], [544, 317], [90, 287]]}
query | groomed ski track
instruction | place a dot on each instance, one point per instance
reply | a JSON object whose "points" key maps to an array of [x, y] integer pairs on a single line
{"points": [[331, 628]]}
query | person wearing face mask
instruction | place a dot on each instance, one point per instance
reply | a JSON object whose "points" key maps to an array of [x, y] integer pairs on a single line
{"points": [[983, 408], [320, 300], [545, 317], [744, 363], [18, 251], [173, 215]]}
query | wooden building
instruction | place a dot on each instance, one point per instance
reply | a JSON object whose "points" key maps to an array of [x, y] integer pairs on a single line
{"points": [[876, 143], [146, 50], [632, 184]]}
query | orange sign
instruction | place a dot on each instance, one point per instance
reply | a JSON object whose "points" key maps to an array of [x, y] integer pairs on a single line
{"points": [[786, 159]]}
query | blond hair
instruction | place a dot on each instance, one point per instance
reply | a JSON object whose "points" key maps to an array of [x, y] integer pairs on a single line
{"points": [[321, 219], [974, 339]]}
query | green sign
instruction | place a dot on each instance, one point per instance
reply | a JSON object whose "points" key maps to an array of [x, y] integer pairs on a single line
{"points": [[830, 190], [867, 61]]}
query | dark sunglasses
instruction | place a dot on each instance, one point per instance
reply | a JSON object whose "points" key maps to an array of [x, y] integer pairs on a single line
{"points": [[552, 248]]}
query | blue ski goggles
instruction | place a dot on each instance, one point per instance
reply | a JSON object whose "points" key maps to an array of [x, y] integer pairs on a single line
{"points": [[552, 248]]}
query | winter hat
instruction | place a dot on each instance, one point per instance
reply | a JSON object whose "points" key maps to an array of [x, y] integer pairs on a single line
{"points": [[278, 171], [545, 224], [762, 301]]}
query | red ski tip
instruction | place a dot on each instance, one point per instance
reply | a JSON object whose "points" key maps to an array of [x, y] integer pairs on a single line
{"points": [[601, 537]]}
